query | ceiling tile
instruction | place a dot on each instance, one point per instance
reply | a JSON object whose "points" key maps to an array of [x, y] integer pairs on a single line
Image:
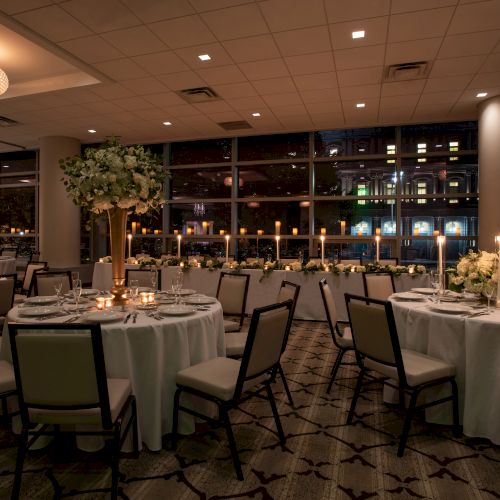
{"points": [[469, 44], [325, 121], [182, 32], [222, 75], [403, 52], [492, 63], [296, 123], [438, 98], [219, 57], [364, 76], [213, 107], [252, 48], [375, 33], [316, 81], [324, 107], [360, 92], [303, 41], [149, 11], [183, 111], [121, 69], [290, 110], [53, 23], [161, 63], [320, 96], [285, 99], [234, 90], [456, 66], [135, 41], [408, 87], [349, 10], [228, 116], [15, 6], [362, 57], [310, 63], [235, 22], [395, 116], [182, 80], [100, 107], [399, 6], [101, 16], [151, 114], [132, 103], [164, 99], [144, 86], [254, 103], [91, 49], [204, 5], [299, 14], [400, 101], [272, 68], [472, 17], [449, 83], [111, 91], [420, 24], [483, 80], [274, 85]]}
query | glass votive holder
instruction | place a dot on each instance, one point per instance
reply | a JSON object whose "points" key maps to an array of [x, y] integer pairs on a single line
{"points": [[100, 303], [147, 298], [287, 268]]}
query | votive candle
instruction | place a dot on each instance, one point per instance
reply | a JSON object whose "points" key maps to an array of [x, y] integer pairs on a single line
{"points": [[342, 227], [323, 231], [377, 231], [295, 231], [227, 247], [277, 226]]}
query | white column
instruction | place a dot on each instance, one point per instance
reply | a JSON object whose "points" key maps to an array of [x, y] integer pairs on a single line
{"points": [[59, 217], [489, 172]]}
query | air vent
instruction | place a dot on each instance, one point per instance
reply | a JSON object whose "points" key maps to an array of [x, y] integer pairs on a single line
{"points": [[407, 71], [198, 94], [7, 122], [235, 125]]}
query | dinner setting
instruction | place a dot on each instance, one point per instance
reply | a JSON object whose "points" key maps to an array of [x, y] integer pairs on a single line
{"points": [[249, 249]]}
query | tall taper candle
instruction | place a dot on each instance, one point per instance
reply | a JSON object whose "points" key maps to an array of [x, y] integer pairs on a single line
{"points": [[179, 237], [322, 238], [277, 247], [377, 253], [129, 237], [227, 247], [277, 226], [441, 240]]}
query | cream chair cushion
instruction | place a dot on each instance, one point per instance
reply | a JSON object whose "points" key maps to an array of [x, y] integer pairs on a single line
{"points": [[231, 326], [7, 378], [346, 339], [232, 293], [235, 343], [379, 286]]}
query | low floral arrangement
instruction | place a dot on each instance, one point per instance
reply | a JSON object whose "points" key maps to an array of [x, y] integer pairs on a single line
{"points": [[473, 271], [115, 175]]}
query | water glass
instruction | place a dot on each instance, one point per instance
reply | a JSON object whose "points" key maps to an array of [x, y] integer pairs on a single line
{"points": [[435, 282], [154, 279], [490, 290], [134, 290], [58, 288], [77, 292], [177, 286]]}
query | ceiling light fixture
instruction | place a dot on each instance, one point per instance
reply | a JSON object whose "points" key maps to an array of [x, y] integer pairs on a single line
{"points": [[91, 131], [4, 82], [360, 105], [358, 34], [482, 94], [204, 57], [167, 124], [256, 114]]}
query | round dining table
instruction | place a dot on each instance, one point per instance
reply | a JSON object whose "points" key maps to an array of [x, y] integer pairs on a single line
{"points": [[464, 334], [7, 265], [149, 351]]}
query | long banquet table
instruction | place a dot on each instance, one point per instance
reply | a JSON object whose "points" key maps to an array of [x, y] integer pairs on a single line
{"points": [[472, 345], [149, 353], [263, 290]]}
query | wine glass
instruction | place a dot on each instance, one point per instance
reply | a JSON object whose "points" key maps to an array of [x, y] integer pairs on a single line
{"points": [[77, 291], [154, 279], [58, 287], [177, 286], [75, 275], [490, 290], [134, 290], [435, 282]]}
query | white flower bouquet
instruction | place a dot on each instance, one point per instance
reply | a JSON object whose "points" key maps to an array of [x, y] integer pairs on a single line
{"points": [[473, 271]]}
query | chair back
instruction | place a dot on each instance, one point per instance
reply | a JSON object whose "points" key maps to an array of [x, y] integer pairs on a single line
{"points": [[351, 262], [232, 293], [378, 285], [60, 369], [45, 281], [255, 260], [7, 292], [9, 252], [329, 303], [374, 331], [28, 276], [268, 330], [141, 255], [289, 291], [143, 276], [389, 262], [288, 260]]}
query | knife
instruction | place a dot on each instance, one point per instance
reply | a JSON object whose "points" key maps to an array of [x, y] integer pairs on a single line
{"points": [[127, 317]]}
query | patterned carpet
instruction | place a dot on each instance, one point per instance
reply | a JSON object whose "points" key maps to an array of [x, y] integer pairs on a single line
{"points": [[323, 458]]}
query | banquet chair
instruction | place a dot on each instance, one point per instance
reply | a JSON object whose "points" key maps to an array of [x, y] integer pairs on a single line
{"points": [[350, 262], [232, 292], [342, 340], [143, 276], [287, 260], [377, 348], [389, 262], [28, 275], [224, 380], [235, 342], [255, 260], [379, 285], [61, 378], [141, 255], [9, 252], [44, 282], [7, 292]]}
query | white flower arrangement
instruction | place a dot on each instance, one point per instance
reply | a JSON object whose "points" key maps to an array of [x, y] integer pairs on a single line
{"points": [[114, 175], [296, 266], [473, 271]]}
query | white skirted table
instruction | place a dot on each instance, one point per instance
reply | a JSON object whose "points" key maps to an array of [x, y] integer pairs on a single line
{"points": [[263, 289], [7, 265], [149, 353], [473, 346]]}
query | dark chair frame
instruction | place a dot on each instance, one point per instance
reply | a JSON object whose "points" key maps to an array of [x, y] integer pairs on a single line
{"points": [[377, 273], [43, 272], [148, 270], [10, 248], [245, 295], [110, 429], [403, 387], [14, 277], [237, 399], [28, 291]]}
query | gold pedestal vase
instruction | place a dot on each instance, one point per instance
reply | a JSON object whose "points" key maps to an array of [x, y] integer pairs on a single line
{"points": [[117, 232]]}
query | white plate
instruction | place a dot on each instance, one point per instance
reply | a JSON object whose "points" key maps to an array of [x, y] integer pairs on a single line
{"points": [[82, 301], [451, 308], [200, 300], [38, 311], [184, 291], [164, 300], [103, 316], [408, 296], [89, 291], [41, 300], [425, 291], [175, 310]]}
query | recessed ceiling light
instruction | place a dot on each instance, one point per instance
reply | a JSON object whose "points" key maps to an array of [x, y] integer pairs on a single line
{"points": [[167, 124], [6, 166], [360, 105], [482, 94], [256, 114], [91, 131], [204, 57], [24, 180], [358, 34]]}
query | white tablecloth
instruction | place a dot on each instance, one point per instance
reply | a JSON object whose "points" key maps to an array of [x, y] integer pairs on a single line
{"points": [[7, 265], [473, 346], [150, 353]]}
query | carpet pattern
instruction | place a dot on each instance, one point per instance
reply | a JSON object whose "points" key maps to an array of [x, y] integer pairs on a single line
{"points": [[323, 458]]}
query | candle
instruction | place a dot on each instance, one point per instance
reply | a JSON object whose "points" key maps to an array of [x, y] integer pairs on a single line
{"points": [[243, 231], [176, 232], [435, 232], [227, 247], [189, 231], [129, 238], [277, 247], [287, 268], [109, 301], [322, 238], [179, 237], [221, 232], [416, 231], [277, 226], [147, 298], [12, 230], [260, 232], [134, 227], [458, 231], [100, 303], [342, 227], [144, 231], [360, 233], [156, 231], [181, 264], [497, 243], [377, 231], [295, 231], [441, 241], [323, 231], [204, 226], [377, 254]]}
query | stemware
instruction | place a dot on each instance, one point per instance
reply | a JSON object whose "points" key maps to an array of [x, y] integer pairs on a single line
{"points": [[435, 282], [154, 279], [177, 285], [134, 290], [77, 292], [58, 287], [490, 290]]}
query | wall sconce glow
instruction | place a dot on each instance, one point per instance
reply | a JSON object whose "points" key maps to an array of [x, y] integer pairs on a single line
{"points": [[256, 115], [91, 131], [4, 82], [204, 57], [482, 94], [167, 124], [360, 105], [358, 34]]}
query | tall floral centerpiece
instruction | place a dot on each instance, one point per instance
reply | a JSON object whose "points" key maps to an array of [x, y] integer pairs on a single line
{"points": [[474, 271], [120, 180]]}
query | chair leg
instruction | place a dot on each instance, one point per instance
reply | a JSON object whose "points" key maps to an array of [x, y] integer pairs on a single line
{"points": [[135, 430], [115, 462], [21, 453], [285, 384], [272, 401], [407, 423], [456, 420], [335, 369], [232, 443], [355, 396], [175, 420]]}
